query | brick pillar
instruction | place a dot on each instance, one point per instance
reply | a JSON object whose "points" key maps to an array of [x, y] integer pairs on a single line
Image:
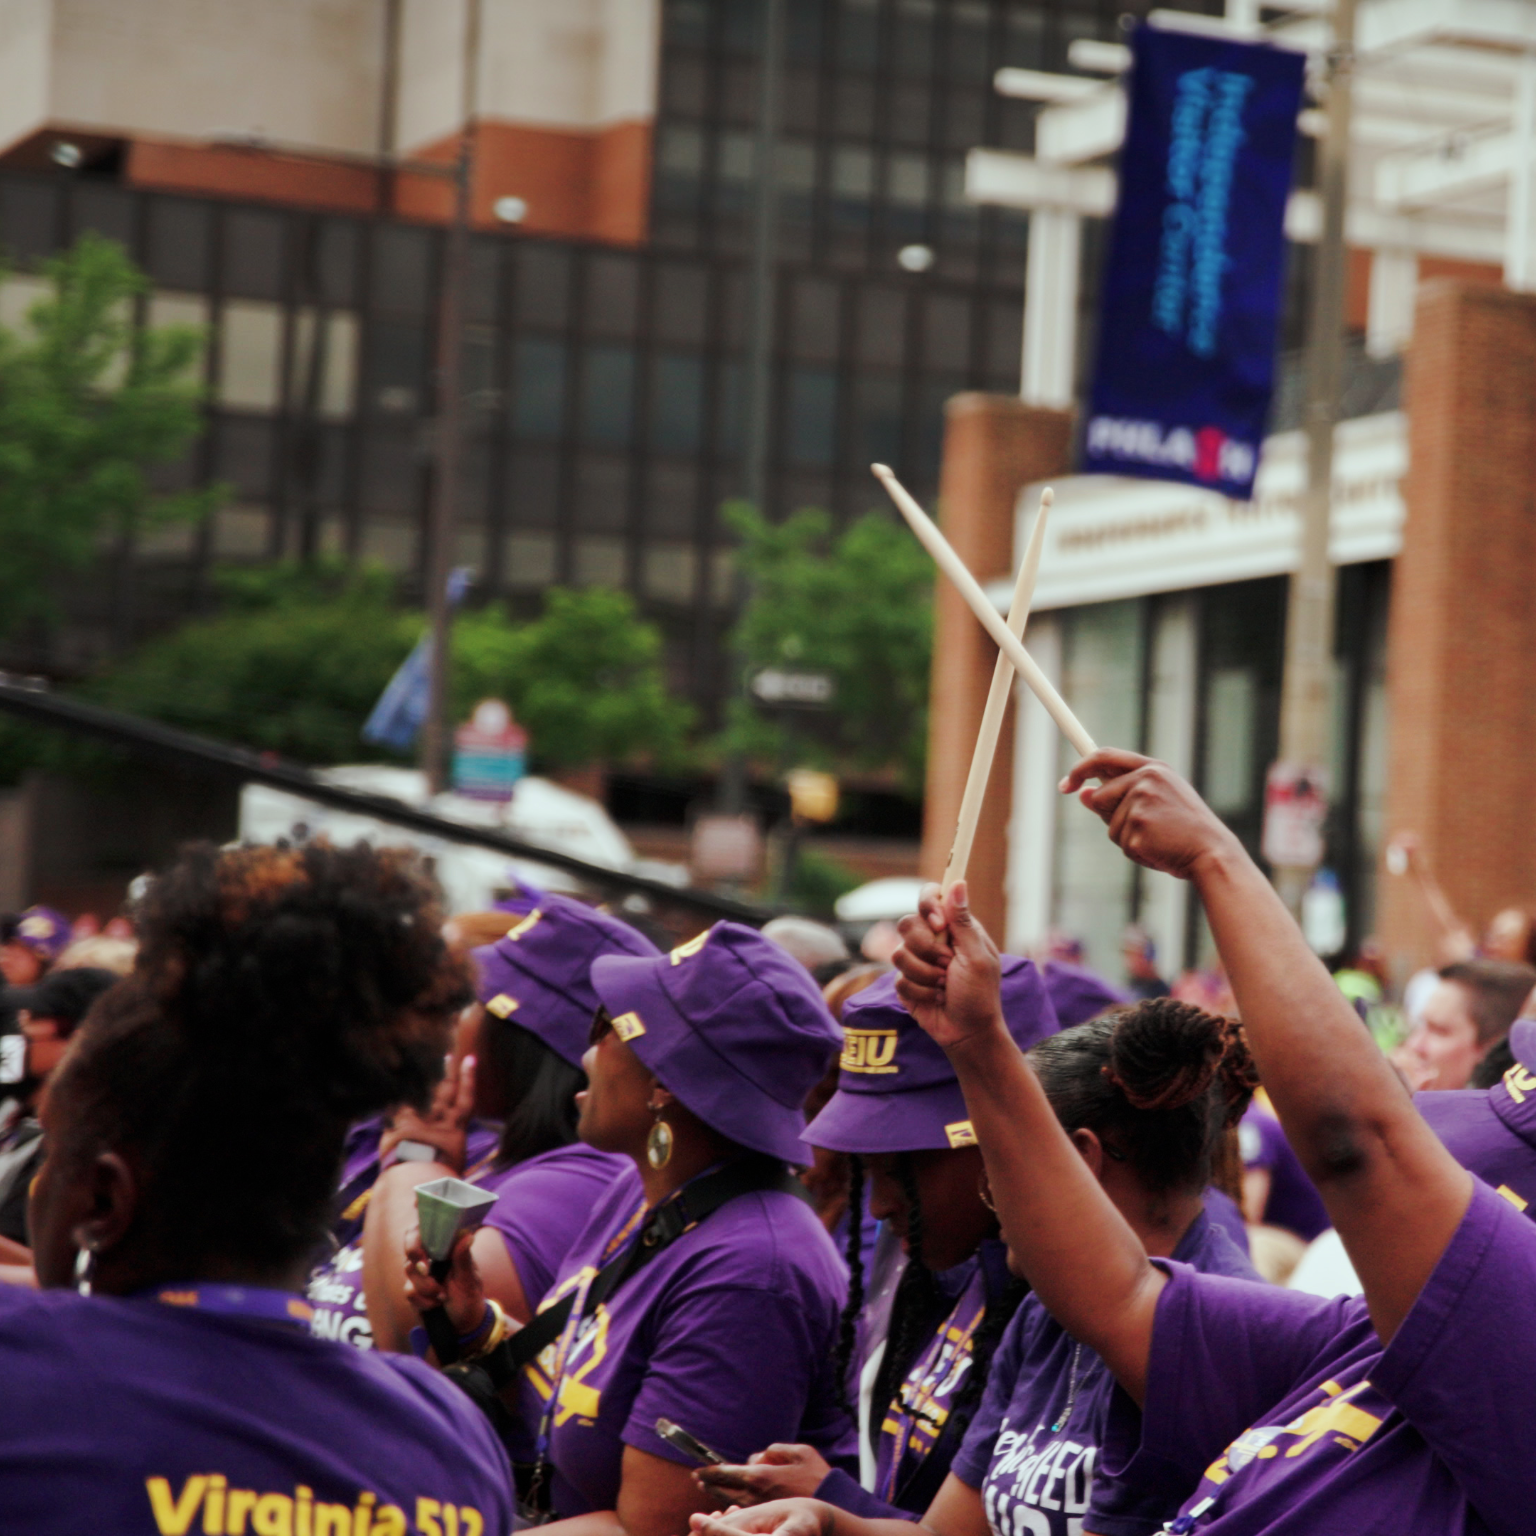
{"points": [[993, 446], [1462, 764]]}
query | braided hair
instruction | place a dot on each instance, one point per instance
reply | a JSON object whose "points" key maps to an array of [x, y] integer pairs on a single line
{"points": [[848, 1323], [919, 1305], [1163, 1080]]}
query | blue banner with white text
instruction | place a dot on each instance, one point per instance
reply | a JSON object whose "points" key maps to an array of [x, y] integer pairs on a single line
{"points": [[1190, 306]]}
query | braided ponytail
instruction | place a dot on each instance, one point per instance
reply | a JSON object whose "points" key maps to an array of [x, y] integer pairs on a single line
{"points": [[848, 1323]]}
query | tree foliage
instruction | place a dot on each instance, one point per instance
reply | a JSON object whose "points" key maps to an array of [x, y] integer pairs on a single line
{"points": [[299, 655], [858, 605], [88, 402], [586, 678]]}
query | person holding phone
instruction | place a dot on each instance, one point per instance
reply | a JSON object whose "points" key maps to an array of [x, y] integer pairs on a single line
{"points": [[704, 1289], [526, 1078], [1147, 1093], [164, 1379], [917, 1366]]}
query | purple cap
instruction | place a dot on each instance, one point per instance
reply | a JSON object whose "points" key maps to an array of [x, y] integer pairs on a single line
{"points": [[1077, 994], [896, 1091], [539, 975], [42, 930], [730, 1024]]}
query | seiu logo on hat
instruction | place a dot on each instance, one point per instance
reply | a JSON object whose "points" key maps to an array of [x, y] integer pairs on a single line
{"points": [[869, 1050], [692, 947], [35, 928], [519, 929], [961, 1134], [502, 1005]]}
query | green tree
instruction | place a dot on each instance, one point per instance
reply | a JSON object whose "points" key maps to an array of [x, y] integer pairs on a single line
{"points": [[585, 678], [299, 654], [88, 402], [293, 663], [858, 605]]}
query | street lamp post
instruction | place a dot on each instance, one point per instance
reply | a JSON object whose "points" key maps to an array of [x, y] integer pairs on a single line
{"points": [[447, 444], [1306, 695]]}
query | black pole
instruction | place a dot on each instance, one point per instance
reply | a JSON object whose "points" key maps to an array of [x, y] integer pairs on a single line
{"points": [[165, 743]]}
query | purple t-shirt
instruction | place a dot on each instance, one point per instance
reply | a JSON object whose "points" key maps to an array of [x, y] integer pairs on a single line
{"points": [[1294, 1202], [728, 1332], [132, 1416], [542, 1204], [335, 1286], [1224, 1213], [1031, 1448], [1286, 1412]]}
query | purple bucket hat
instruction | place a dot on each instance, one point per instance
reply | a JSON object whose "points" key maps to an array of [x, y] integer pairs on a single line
{"points": [[539, 975], [732, 1026], [1078, 995], [42, 930], [1492, 1131], [896, 1091]]}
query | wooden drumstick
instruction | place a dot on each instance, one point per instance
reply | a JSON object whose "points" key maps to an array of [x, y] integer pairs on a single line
{"points": [[997, 703], [988, 616]]}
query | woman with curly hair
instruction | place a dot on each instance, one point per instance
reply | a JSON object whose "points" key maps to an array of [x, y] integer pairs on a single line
{"points": [[164, 1380]]}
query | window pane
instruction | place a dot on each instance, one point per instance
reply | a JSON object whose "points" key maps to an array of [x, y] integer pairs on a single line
{"points": [[243, 454], [611, 300], [177, 243], [815, 319], [811, 425], [538, 387], [250, 354], [397, 364], [877, 408], [602, 494], [107, 210], [671, 500], [401, 275], [391, 473], [532, 495], [681, 303], [543, 286], [882, 326], [254, 253], [946, 331], [607, 396], [858, 34], [28, 219], [907, 180], [677, 402], [332, 377], [336, 262], [730, 428]]}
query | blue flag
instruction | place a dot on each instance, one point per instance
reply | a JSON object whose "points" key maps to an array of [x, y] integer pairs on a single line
{"points": [[1190, 305], [398, 716]]}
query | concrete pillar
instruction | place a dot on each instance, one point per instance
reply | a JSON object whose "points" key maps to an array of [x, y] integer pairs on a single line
{"points": [[993, 446], [1462, 764]]}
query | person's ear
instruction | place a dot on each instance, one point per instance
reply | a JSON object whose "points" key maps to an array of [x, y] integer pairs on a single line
{"points": [[1091, 1149], [659, 1096], [111, 1200]]}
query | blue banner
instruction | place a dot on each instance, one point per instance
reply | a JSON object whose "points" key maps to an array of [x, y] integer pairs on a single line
{"points": [[1191, 295], [401, 709]]}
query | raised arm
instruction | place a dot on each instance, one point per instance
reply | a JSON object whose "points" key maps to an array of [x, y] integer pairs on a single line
{"points": [[1394, 1193], [1085, 1262]]}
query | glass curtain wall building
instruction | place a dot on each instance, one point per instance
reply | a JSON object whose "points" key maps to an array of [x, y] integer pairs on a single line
{"points": [[604, 384]]}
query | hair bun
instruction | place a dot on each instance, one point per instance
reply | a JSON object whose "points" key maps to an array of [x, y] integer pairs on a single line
{"points": [[1165, 1054]]}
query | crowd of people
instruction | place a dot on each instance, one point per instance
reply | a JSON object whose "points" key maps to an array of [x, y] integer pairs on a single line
{"points": [[768, 1239]]}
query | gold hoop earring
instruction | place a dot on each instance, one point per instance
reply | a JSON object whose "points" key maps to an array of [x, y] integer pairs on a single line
{"points": [[658, 1145]]}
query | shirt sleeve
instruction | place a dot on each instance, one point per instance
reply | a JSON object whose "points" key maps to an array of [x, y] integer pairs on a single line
{"points": [[844, 1492], [1224, 1352], [1462, 1367], [732, 1365]]}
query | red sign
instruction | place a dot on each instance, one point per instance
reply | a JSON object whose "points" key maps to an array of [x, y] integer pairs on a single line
{"points": [[1295, 808]]}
